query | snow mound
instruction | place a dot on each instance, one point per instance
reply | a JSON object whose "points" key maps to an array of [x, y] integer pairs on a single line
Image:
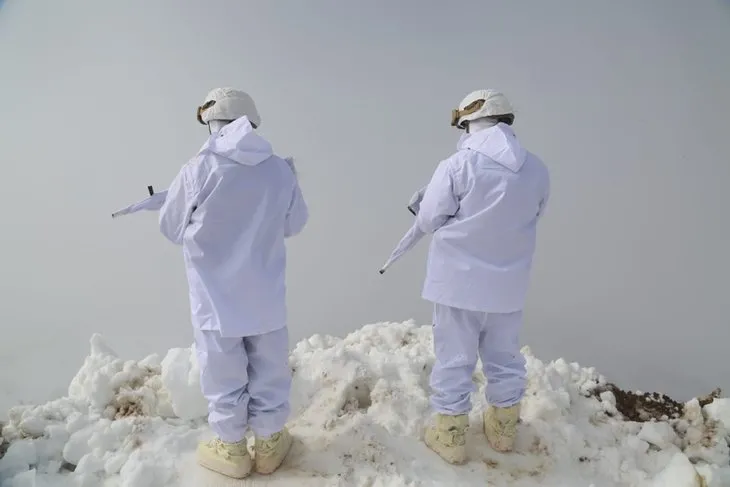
{"points": [[359, 405]]}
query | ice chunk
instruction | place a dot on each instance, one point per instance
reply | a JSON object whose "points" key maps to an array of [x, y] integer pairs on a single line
{"points": [[714, 475], [77, 446], [181, 381], [661, 435], [678, 473], [21, 455], [25, 479], [719, 410], [90, 464]]}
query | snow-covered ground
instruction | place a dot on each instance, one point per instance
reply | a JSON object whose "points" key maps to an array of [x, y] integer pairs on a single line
{"points": [[358, 409]]}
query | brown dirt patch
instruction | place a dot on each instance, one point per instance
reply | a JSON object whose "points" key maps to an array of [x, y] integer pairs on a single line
{"points": [[709, 398], [642, 407], [649, 406]]}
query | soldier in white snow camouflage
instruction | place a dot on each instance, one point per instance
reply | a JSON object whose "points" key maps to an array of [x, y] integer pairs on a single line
{"points": [[482, 207], [231, 208]]}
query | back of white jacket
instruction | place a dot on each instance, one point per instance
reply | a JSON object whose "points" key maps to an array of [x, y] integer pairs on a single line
{"points": [[231, 207], [482, 206]]}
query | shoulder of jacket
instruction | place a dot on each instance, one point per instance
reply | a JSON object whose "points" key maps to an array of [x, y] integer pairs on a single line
{"points": [[197, 170], [536, 160], [459, 157], [466, 156]]}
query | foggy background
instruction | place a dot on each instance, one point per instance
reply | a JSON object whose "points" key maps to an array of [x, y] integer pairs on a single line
{"points": [[626, 102]]}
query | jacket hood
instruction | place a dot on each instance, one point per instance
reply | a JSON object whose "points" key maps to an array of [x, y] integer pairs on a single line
{"points": [[239, 142], [498, 143]]}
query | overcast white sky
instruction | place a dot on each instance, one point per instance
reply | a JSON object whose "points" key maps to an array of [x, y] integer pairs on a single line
{"points": [[626, 102]]}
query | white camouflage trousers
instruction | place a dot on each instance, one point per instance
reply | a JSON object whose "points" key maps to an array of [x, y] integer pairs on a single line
{"points": [[460, 338], [246, 381]]}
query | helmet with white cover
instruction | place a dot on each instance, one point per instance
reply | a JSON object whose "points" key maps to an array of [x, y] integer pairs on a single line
{"points": [[228, 104], [482, 104]]}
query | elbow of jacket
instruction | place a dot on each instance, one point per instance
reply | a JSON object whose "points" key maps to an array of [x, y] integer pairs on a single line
{"points": [[289, 231], [293, 232], [295, 227], [171, 236], [425, 226]]}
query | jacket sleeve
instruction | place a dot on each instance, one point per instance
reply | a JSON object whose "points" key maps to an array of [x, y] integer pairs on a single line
{"points": [[439, 201], [545, 198], [179, 205], [298, 214], [415, 201]]}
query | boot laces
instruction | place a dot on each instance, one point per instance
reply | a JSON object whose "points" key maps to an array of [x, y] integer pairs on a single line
{"points": [[226, 450], [505, 425], [455, 435], [268, 445]]}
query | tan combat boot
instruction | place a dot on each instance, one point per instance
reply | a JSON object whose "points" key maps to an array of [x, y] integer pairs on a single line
{"points": [[500, 427], [271, 451], [447, 437], [229, 459]]}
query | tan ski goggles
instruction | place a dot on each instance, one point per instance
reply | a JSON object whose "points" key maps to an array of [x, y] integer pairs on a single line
{"points": [[203, 108], [468, 110]]}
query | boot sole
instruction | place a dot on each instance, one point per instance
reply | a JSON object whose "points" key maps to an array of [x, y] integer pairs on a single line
{"points": [[509, 449], [237, 474], [500, 450]]}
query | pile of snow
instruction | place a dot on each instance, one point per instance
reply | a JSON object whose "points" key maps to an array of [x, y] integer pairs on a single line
{"points": [[358, 409]]}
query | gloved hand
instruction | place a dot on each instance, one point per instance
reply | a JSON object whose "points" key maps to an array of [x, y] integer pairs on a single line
{"points": [[415, 203]]}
